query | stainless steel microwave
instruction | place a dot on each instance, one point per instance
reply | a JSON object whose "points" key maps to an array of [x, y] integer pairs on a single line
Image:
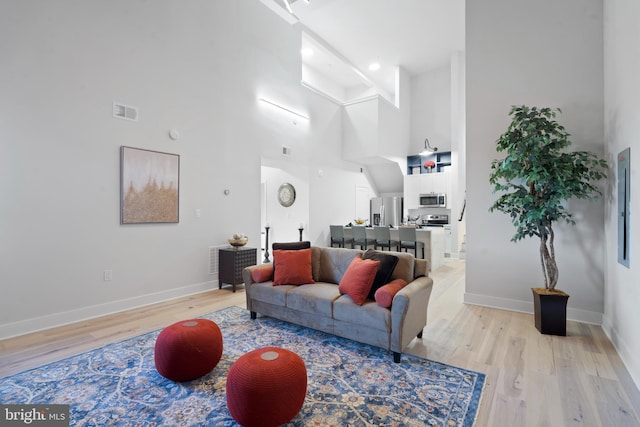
{"points": [[433, 200]]}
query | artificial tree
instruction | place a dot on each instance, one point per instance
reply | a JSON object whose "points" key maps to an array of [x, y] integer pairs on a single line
{"points": [[537, 178]]}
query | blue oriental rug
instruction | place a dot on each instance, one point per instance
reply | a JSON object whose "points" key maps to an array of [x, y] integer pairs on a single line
{"points": [[349, 384]]}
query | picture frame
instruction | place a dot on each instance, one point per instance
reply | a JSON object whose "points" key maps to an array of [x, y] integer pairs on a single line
{"points": [[149, 186]]}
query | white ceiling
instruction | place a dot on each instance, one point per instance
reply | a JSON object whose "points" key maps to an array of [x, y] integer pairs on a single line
{"points": [[348, 35], [418, 35]]}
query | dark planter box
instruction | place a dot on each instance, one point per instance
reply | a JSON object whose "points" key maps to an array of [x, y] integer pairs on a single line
{"points": [[550, 311]]}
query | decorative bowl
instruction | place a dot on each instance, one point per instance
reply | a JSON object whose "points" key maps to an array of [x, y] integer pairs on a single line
{"points": [[238, 242]]}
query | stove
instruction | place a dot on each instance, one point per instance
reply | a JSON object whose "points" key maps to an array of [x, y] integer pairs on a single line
{"points": [[435, 220]]}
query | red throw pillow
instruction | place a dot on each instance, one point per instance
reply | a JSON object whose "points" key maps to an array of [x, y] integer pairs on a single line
{"points": [[384, 294], [264, 273], [292, 267], [357, 280]]}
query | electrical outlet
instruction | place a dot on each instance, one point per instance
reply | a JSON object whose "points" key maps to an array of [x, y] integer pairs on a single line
{"points": [[108, 275]]}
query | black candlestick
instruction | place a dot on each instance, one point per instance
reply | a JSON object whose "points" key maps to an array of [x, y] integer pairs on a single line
{"points": [[266, 245], [300, 230]]}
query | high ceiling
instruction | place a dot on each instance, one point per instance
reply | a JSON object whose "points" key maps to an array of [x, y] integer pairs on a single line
{"points": [[417, 35], [348, 35]]}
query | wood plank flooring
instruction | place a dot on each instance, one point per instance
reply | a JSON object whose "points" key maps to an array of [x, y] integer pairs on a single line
{"points": [[532, 379]]}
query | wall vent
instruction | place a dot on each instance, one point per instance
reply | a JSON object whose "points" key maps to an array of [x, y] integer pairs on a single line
{"points": [[213, 259], [125, 112], [286, 151]]}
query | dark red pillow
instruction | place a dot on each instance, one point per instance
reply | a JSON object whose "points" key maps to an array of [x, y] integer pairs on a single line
{"points": [[357, 280], [289, 246], [292, 267], [384, 295], [263, 273]]}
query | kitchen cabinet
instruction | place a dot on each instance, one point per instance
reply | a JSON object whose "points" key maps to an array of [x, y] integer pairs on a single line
{"points": [[438, 182], [411, 191], [414, 185], [448, 241]]}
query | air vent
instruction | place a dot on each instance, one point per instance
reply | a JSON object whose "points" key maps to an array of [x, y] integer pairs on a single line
{"points": [[125, 112], [213, 259], [286, 151]]}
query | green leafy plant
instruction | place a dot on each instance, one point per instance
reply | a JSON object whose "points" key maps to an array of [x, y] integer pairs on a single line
{"points": [[538, 176]]}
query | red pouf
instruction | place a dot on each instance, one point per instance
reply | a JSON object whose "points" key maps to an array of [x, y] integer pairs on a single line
{"points": [[266, 387], [188, 349]]}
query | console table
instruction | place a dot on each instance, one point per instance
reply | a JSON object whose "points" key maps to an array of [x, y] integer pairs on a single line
{"points": [[231, 262]]}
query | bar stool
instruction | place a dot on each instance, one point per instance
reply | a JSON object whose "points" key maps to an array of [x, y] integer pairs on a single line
{"points": [[360, 237], [383, 238], [409, 240], [337, 236]]}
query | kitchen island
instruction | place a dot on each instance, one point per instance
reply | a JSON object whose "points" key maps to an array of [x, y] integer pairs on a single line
{"points": [[432, 237]]}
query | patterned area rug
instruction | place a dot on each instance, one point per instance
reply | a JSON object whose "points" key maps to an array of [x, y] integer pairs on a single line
{"points": [[350, 384]]}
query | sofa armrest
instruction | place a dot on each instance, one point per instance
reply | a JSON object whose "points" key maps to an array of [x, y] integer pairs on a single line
{"points": [[409, 312], [247, 277], [421, 267]]}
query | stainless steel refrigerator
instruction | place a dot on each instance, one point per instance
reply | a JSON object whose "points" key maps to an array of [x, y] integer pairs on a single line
{"points": [[386, 211]]}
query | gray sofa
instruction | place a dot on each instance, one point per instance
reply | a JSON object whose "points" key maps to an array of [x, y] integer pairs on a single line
{"points": [[321, 306]]}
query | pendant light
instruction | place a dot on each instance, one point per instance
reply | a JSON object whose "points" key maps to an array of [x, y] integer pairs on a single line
{"points": [[427, 148]]}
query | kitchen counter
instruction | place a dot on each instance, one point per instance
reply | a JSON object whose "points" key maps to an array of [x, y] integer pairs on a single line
{"points": [[432, 237]]}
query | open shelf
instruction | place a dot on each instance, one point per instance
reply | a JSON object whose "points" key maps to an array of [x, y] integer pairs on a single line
{"points": [[441, 160]]}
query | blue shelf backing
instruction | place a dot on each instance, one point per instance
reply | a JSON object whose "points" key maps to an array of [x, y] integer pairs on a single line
{"points": [[441, 160]]}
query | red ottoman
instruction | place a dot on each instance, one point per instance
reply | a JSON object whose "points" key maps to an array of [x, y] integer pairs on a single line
{"points": [[188, 349], [266, 387]]}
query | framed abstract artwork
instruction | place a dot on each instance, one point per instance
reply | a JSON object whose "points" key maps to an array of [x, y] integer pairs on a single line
{"points": [[149, 186]]}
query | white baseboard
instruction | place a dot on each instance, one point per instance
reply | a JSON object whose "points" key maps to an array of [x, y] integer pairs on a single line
{"points": [[577, 315], [72, 316], [629, 359]]}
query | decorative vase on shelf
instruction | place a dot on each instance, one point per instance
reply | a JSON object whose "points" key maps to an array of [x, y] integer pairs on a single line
{"points": [[238, 240], [429, 164]]}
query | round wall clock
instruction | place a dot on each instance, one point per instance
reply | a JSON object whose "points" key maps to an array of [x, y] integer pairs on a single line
{"points": [[286, 194]]}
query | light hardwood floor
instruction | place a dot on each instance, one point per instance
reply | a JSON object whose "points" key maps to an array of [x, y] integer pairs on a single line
{"points": [[532, 379]]}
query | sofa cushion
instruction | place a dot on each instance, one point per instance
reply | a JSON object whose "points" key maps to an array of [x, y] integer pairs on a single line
{"points": [[387, 263], [292, 267], [266, 292], [369, 314], [357, 280], [314, 299], [384, 295]]}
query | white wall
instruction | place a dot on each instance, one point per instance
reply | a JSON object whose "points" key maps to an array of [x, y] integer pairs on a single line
{"points": [[431, 109], [376, 133], [285, 221], [458, 153], [360, 130], [198, 67], [544, 53], [622, 130], [395, 123], [325, 195], [319, 81], [334, 199]]}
